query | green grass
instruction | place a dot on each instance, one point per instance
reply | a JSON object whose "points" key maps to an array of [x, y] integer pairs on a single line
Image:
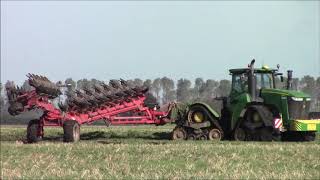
{"points": [[145, 152]]}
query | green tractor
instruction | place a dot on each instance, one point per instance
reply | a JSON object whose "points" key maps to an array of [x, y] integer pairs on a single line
{"points": [[255, 110]]}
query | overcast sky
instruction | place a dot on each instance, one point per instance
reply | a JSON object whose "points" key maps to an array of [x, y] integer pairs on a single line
{"points": [[149, 39]]}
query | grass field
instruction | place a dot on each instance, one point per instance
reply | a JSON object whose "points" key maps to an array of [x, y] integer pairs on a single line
{"points": [[145, 152]]}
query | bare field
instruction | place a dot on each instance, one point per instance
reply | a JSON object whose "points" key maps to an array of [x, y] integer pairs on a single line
{"points": [[140, 152]]}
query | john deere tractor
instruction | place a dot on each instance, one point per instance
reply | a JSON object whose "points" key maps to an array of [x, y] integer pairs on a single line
{"points": [[255, 110]]}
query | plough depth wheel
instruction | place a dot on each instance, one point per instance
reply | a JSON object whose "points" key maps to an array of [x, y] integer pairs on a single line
{"points": [[71, 130]]}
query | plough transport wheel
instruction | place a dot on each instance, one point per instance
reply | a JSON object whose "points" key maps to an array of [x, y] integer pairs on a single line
{"points": [[32, 131], [71, 130]]}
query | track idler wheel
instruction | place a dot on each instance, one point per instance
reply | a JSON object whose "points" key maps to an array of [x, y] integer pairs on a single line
{"points": [[215, 134], [179, 133], [239, 134], [32, 131], [71, 130], [192, 137], [203, 137]]}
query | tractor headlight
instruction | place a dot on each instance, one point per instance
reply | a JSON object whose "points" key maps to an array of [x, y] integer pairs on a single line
{"points": [[297, 99], [308, 99]]}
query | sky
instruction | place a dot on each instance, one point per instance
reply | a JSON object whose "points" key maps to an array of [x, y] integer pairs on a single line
{"points": [[150, 39]]}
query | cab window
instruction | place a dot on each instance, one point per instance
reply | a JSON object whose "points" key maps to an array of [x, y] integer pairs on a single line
{"points": [[239, 83], [264, 80]]}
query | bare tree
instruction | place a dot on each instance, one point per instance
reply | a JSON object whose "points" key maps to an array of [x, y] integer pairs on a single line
{"points": [[209, 90], [83, 83], [198, 87], [156, 86], [183, 90], [168, 90], [308, 85], [138, 82], [224, 88], [148, 83], [71, 86]]}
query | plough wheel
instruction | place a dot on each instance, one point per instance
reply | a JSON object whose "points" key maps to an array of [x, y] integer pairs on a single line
{"points": [[179, 134], [71, 130], [32, 131], [214, 134]]}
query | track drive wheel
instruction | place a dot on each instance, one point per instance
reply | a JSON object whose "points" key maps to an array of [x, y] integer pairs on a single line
{"points": [[239, 134], [197, 114], [179, 133], [215, 134], [32, 131], [71, 130]]}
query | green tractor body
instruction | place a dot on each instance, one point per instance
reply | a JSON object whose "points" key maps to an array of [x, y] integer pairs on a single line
{"points": [[256, 109]]}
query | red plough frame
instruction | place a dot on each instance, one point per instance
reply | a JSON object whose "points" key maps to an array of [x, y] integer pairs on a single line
{"points": [[53, 116]]}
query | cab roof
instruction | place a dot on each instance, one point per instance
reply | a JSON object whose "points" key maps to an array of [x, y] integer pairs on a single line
{"points": [[256, 70]]}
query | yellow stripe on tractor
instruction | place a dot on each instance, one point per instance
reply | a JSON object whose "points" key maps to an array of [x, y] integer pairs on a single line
{"points": [[305, 125]]}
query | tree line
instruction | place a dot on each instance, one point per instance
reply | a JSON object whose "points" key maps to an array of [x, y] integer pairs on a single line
{"points": [[165, 90]]}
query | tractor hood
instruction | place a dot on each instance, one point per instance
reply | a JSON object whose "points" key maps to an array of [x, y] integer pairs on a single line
{"points": [[283, 92]]}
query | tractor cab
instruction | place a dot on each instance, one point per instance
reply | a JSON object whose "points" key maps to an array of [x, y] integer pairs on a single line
{"points": [[242, 83]]}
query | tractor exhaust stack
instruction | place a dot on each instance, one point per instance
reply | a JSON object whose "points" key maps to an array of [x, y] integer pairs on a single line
{"points": [[252, 81]]}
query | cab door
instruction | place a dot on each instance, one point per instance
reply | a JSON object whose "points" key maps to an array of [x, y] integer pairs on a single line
{"points": [[239, 97]]}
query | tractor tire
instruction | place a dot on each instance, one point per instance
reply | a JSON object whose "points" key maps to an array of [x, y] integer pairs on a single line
{"points": [[71, 130], [298, 136], [179, 133], [215, 134], [258, 124], [32, 131], [239, 134]]}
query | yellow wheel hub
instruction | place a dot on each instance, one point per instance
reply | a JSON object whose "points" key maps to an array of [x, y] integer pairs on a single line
{"points": [[198, 117], [256, 117]]}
